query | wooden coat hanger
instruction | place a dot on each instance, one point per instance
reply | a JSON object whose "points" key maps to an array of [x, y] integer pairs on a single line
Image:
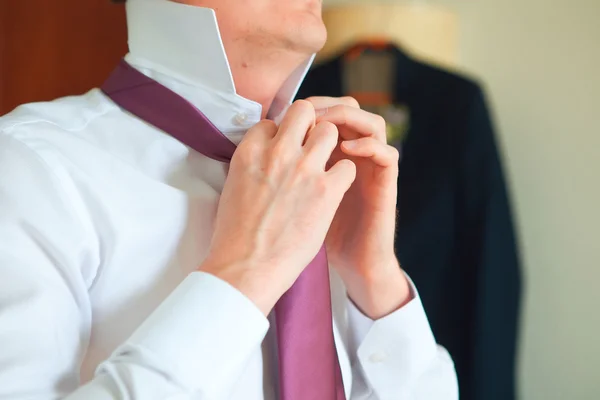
{"points": [[426, 31]]}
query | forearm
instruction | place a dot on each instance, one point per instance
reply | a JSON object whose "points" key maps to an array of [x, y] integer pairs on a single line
{"points": [[200, 339]]}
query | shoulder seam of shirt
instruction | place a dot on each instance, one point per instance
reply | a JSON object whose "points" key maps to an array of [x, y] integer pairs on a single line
{"points": [[10, 128], [44, 164]]}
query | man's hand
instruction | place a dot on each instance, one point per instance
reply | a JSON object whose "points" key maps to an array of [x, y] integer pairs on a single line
{"points": [[277, 205], [360, 242]]}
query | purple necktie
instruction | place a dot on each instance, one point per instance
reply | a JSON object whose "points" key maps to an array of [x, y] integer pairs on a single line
{"points": [[308, 364]]}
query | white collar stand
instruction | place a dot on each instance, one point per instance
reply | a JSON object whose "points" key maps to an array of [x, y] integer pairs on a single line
{"points": [[185, 42]]}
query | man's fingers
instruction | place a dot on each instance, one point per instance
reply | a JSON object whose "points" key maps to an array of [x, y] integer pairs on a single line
{"points": [[356, 120], [369, 147], [322, 102], [264, 130], [254, 143], [342, 174], [299, 119], [321, 142], [258, 136]]}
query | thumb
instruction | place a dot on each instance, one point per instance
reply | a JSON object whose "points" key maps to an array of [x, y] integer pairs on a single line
{"points": [[341, 176]]}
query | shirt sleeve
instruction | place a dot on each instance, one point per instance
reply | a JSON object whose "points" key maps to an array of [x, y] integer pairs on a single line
{"points": [[397, 357], [47, 262]]}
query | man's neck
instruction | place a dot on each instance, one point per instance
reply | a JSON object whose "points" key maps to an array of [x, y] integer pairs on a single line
{"points": [[259, 71], [259, 75], [260, 64]]}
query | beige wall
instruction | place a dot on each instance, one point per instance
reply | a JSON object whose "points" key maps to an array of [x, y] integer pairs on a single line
{"points": [[540, 60]]}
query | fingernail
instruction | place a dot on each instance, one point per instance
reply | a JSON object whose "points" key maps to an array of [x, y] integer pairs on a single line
{"points": [[350, 144], [322, 111]]}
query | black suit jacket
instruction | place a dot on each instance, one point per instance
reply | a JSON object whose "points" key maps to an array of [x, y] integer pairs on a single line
{"points": [[455, 234]]}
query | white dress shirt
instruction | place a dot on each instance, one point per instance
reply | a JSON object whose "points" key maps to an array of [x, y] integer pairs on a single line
{"points": [[103, 222]]}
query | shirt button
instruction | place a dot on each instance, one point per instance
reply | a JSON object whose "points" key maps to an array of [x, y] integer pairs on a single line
{"points": [[377, 357], [240, 119]]}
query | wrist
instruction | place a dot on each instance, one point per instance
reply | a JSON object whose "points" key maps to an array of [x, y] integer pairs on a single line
{"points": [[380, 291], [253, 282]]}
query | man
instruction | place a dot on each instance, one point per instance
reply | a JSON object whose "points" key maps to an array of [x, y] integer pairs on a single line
{"points": [[134, 266]]}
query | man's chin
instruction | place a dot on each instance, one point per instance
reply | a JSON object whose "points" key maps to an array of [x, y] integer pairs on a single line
{"points": [[310, 38]]}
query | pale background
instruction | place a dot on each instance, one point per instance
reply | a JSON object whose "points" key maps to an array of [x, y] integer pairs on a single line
{"points": [[540, 63]]}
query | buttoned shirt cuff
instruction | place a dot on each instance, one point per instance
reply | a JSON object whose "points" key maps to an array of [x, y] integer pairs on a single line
{"points": [[395, 350], [201, 336]]}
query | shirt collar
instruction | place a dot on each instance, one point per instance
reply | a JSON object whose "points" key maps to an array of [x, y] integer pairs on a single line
{"points": [[184, 42]]}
